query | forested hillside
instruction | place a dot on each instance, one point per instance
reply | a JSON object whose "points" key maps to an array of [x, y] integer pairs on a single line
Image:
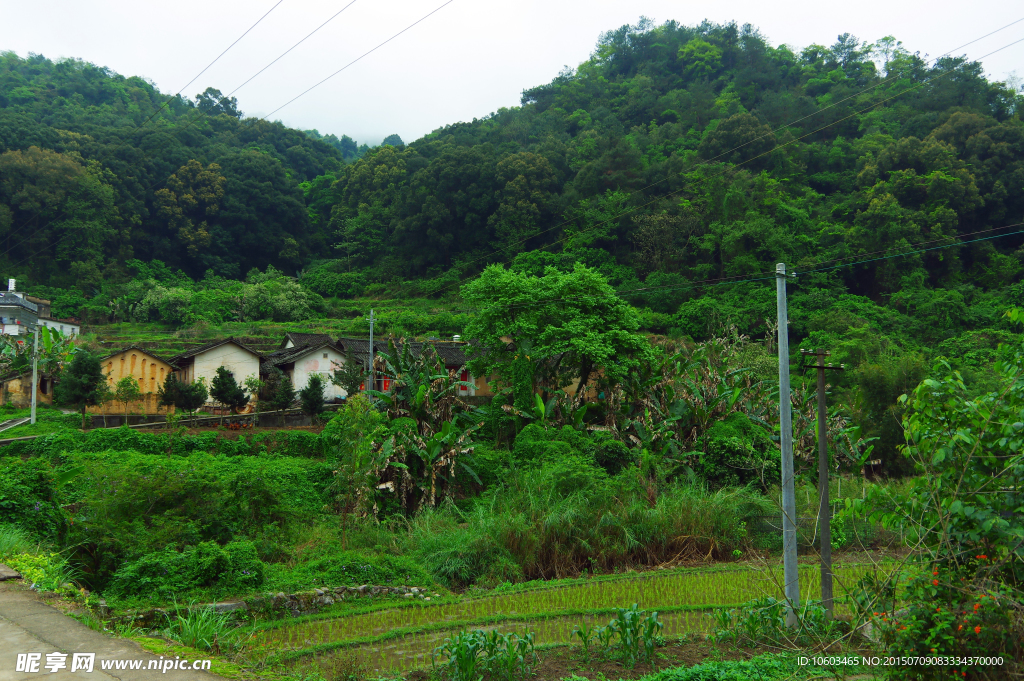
{"points": [[96, 168], [672, 156]]}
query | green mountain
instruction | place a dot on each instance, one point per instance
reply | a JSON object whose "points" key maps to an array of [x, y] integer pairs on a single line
{"points": [[96, 169]]}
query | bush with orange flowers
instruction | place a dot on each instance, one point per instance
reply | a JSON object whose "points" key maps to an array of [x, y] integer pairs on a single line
{"points": [[961, 592]]}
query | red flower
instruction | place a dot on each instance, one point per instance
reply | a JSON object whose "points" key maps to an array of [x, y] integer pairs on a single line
{"points": [[976, 606], [960, 627], [936, 573], [977, 630], [935, 582]]}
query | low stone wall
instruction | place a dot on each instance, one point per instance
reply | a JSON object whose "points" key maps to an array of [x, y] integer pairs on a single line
{"points": [[282, 604]]}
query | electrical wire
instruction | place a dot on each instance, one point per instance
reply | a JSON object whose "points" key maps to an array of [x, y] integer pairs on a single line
{"points": [[728, 170], [201, 115], [262, 118], [156, 113]]}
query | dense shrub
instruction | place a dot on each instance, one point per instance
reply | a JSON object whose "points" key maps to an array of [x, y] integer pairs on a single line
{"points": [[738, 452], [26, 494], [134, 504], [352, 568], [569, 517], [535, 443], [170, 573]]}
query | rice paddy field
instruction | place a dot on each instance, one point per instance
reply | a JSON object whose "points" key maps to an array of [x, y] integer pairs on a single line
{"points": [[401, 639]]}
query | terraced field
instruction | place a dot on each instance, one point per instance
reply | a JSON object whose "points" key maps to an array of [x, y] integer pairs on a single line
{"points": [[401, 638]]}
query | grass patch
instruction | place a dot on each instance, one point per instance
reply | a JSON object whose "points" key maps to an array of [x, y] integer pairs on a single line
{"points": [[218, 665]]}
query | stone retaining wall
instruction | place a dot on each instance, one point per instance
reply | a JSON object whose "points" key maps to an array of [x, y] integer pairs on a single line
{"points": [[282, 604]]}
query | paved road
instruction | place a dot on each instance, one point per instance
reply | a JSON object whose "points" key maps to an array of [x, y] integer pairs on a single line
{"points": [[27, 625]]}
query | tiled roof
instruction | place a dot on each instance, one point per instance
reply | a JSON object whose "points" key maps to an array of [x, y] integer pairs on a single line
{"points": [[299, 339], [8, 299], [451, 353], [140, 349], [286, 355], [192, 352]]}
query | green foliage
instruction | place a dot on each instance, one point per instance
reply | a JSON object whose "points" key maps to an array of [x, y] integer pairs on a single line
{"points": [[564, 327], [45, 571], [144, 503], [127, 391], [201, 627], [170, 391], [735, 451], [767, 667], [350, 375], [191, 396], [163, 575], [637, 635], [471, 655], [965, 577], [82, 383], [225, 390], [13, 540], [763, 622], [311, 397], [353, 568], [279, 389], [535, 525]]}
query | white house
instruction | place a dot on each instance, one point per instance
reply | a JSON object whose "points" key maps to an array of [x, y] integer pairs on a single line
{"points": [[298, 362], [201, 363], [19, 313]]}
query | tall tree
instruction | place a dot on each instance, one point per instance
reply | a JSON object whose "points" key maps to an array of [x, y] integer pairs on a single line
{"points": [[82, 384], [191, 197], [226, 391], [127, 391], [312, 397], [569, 327]]}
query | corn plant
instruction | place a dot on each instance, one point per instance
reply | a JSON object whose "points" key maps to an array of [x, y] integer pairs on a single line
{"points": [[585, 634], [469, 656], [638, 635], [764, 621]]}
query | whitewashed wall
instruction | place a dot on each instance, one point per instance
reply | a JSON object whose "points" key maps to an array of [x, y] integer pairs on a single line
{"points": [[235, 359], [318, 362]]}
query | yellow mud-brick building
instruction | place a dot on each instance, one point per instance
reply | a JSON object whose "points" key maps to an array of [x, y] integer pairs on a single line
{"points": [[148, 370]]}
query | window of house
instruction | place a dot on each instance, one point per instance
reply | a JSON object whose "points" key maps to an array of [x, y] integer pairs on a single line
{"points": [[325, 355]]}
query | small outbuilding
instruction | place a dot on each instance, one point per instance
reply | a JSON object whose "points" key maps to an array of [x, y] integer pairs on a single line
{"points": [[202, 362]]}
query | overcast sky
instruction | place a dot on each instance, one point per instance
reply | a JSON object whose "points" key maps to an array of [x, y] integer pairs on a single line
{"points": [[467, 60]]}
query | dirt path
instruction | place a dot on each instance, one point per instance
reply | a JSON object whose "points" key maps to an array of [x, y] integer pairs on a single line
{"points": [[27, 625]]}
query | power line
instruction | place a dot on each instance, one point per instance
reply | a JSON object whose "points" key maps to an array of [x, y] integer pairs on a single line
{"points": [[161, 108], [263, 118], [367, 53], [734, 166], [197, 117], [725, 281], [182, 89]]}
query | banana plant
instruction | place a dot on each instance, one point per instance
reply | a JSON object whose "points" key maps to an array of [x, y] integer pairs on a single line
{"points": [[414, 462], [55, 349], [420, 387]]}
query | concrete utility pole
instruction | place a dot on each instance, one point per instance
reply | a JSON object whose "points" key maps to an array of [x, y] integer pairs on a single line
{"points": [[790, 572], [824, 507], [373, 383], [35, 373]]}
